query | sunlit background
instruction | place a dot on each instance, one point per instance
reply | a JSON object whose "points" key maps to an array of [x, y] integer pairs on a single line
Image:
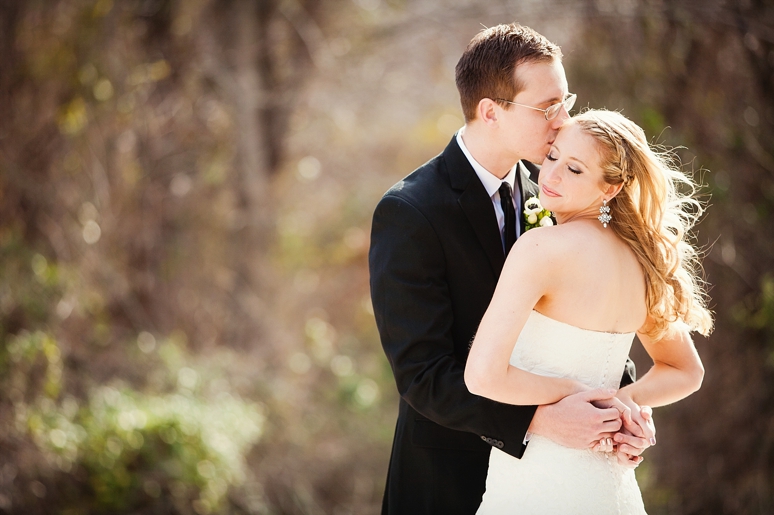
{"points": [[186, 190]]}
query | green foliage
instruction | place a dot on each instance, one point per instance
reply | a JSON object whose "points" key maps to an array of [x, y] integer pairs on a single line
{"points": [[653, 121], [128, 448], [28, 281]]}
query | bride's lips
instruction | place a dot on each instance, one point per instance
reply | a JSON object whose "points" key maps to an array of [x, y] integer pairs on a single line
{"points": [[549, 192]]}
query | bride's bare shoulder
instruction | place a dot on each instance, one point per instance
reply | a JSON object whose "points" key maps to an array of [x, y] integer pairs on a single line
{"points": [[555, 246], [553, 238]]}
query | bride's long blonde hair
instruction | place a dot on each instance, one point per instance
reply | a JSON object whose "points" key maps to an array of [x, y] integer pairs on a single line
{"points": [[653, 216]]}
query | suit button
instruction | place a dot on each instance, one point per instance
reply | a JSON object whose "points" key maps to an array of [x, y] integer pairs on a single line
{"points": [[483, 438], [499, 444]]}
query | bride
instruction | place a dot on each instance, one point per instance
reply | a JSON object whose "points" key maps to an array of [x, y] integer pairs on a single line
{"points": [[594, 281]]}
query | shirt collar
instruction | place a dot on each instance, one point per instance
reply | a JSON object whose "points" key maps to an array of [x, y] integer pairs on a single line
{"points": [[488, 179]]}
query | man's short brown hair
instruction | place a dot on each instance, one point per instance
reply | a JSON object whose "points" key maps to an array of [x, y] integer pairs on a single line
{"points": [[486, 68]]}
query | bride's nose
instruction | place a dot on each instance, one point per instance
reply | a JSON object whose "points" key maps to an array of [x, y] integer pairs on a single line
{"points": [[549, 174]]}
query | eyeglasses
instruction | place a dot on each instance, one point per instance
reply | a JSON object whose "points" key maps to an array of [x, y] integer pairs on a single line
{"points": [[552, 111]]}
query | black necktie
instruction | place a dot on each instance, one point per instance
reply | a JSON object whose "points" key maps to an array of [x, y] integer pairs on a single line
{"points": [[506, 201]]}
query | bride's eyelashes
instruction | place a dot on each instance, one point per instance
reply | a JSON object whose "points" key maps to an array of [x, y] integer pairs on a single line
{"points": [[573, 170]]}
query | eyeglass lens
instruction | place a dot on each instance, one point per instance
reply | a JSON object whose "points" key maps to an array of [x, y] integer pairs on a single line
{"points": [[552, 111]]}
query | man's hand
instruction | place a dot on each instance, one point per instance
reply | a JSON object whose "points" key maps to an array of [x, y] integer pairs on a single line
{"points": [[575, 422]]}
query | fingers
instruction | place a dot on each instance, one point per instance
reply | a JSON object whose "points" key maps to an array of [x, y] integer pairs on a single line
{"points": [[647, 415], [630, 450], [634, 428], [622, 409], [604, 445], [631, 444], [610, 426], [597, 395], [625, 412], [623, 456], [644, 428], [629, 461]]}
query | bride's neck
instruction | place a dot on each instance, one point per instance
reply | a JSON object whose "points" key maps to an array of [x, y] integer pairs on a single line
{"points": [[563, 218]]}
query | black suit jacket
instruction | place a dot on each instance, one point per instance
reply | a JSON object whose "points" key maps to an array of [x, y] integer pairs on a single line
{"points": [[435, 258]]}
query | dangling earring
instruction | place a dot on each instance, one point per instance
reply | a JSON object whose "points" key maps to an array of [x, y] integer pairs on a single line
{"points": [[605, 216]]}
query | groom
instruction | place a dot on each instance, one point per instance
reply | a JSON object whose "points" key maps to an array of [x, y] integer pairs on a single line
{"points": [[438, 244]]}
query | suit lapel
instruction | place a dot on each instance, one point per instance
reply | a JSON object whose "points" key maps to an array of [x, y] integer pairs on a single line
{"points": [[524, 174], [476, 204]]}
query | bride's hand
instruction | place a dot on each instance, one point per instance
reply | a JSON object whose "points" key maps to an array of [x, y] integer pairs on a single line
{"points": [[634, 437], [637, 431], [640, 422], [628, 448]]}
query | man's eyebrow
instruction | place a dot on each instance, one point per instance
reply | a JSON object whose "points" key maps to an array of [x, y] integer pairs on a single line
{"points": [[554, 100]]}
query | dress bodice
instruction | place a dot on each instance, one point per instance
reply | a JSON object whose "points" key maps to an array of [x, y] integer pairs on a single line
{"points": [[550, 478], [551, 348]]}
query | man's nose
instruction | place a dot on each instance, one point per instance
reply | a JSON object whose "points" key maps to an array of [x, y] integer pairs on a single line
{"points": [[561, 117]]}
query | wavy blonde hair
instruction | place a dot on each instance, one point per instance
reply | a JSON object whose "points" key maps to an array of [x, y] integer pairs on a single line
{"points": [[654, 217]]}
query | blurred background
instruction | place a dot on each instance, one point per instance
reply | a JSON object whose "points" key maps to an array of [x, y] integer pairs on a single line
{"points": [[186, 190]]}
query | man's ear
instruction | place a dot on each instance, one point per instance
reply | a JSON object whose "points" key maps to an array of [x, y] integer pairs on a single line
{"points": [[487, 111]]}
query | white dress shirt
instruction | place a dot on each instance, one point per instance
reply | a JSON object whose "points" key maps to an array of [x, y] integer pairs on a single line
{"points": [[492, 186]]}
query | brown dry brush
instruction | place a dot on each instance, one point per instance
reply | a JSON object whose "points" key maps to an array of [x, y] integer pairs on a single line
{"points": [[138, 144], [156, 239]]}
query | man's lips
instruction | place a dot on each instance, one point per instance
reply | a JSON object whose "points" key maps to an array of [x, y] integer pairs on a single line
{"points": [[549, 192]]}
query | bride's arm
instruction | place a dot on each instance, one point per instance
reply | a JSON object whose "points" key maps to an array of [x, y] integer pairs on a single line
{"points": [[677, 371], [487, 372]]}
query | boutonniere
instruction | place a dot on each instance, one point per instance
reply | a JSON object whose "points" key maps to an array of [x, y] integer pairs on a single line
{"points": [[535, 215]]}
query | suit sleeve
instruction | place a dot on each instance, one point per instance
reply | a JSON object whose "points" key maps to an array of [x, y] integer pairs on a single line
{"points": [[414, 315]]}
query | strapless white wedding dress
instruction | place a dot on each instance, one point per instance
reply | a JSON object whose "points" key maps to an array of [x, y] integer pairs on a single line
{"points": [[549, 478]]}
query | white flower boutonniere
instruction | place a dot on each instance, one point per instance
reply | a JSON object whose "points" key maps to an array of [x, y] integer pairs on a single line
{"points": [[535, 215]]}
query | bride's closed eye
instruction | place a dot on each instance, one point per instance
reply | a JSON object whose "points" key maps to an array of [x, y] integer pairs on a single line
{"points": [[550, 157]]}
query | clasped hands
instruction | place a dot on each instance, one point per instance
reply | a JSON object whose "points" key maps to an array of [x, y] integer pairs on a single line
{"points": [[637, 431], [602, 420]]}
